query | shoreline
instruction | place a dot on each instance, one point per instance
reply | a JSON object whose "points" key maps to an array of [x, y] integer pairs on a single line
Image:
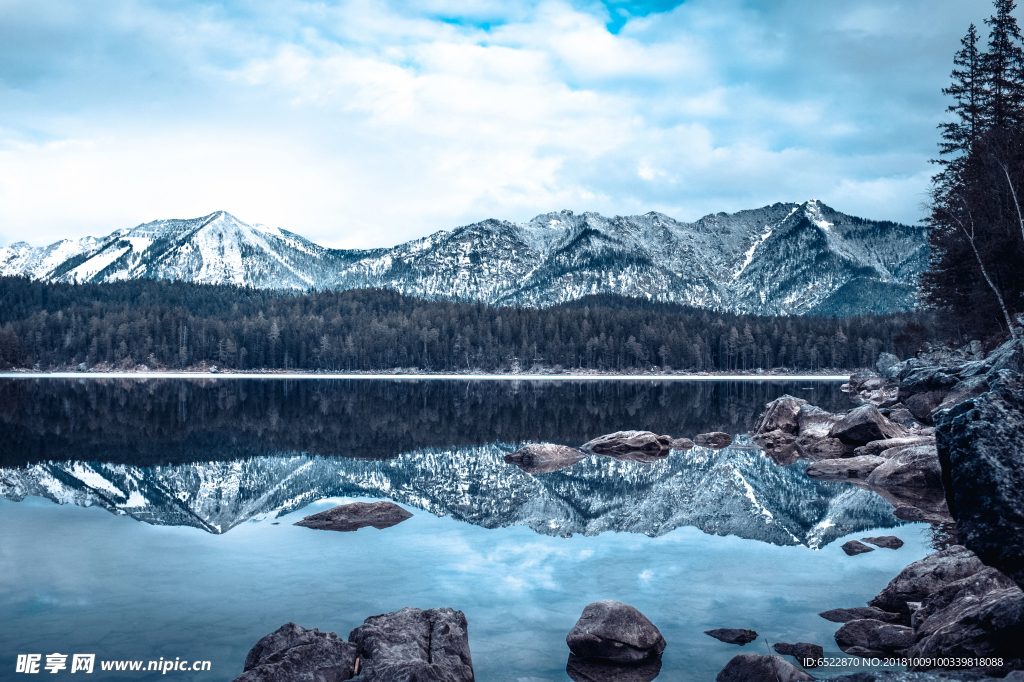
{"points": [[438, 377]]}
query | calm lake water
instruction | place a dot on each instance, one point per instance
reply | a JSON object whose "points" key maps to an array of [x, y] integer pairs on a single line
{"points": [[153, 518]]}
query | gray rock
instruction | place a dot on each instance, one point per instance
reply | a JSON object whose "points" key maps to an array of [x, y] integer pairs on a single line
{"points": [[414, 646], [805, 653], [590, 670], [815, 422], [926, 379], [350, 517], [874, 637], [864, 424], [980, 616], [294, 654], [921, 578], [779, 446], [732, 635], [886, 361], [715, 440], [780, 415], [921, 405], [853, 548], [971, 387], [885, 541], [82, 367], [877, 447], [544, 458], [912, 466], [681, 444], [982, 460], [760, 668], [817, 448], [628, 441], [615, 632], [899, 414], [859, 613], [844, 469]]}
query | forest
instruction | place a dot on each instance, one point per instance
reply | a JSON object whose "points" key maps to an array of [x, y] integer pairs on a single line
{"points": [[178, 325]]}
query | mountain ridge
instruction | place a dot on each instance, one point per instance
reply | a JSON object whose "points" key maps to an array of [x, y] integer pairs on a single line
{"points": [[780, 259]]}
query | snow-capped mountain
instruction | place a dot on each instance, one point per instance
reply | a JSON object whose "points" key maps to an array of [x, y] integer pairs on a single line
{"points": [[734, 491], [781, 259]]}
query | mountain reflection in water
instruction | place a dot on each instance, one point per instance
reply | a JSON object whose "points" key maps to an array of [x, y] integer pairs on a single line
{"points": [[214, 455]]}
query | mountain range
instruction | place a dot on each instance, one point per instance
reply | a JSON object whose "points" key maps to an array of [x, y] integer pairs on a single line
{"points": [[736, 491], [783, 259]]}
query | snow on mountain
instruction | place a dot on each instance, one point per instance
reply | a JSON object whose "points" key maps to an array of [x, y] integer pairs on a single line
{"points": [[781, 259], [729, 492]]}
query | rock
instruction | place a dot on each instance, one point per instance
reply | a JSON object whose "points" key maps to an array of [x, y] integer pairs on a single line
{"points": [[980, 616], [813, 447], [681, 444], [926, 379], [843, 469], [779, 415], [971, 387], [82, 367], [350, 517], [921, 405], [921, 578], [814, 421], [806, 654], [214, 369], [864, 424], [899, 414], [913, 466], [628, 441], [760, 668], [544, 458], [860, 612], [885, 541], [414, 645], [877, 447], [589, 670], [715, 440], [853, 548], [733, 635], [874, 637], [886, 361], [294, 654], [982, 460], [615, 632], [779, 446]]}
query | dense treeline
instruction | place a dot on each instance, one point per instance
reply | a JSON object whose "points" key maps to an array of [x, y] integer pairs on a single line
{"points": [[176, 325], [976, 225]]}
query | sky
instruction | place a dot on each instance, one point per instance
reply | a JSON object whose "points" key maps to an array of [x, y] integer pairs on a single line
{"points": [[362, 124]]}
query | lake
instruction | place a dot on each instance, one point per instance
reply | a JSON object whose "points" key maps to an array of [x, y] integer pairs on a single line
{"points": [[148, 518]]}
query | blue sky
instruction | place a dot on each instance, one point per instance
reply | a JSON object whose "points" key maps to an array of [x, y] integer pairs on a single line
{"points": [[361, 124]]}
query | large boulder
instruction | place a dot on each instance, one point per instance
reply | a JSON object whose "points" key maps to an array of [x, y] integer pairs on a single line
{"points": [[761, 668], [590, 670], [815, 422], [921, 578], [982, 458], [822, 447], [873, 637], [980, 616], [622, 442], [350, 517], [921, 405], [543, 458], [864, 424], [615, 632], [877, 447], [886, 361], [294, 654], [845, 468], [412, 645], [715, 440], [780, 414], [912, 466]]}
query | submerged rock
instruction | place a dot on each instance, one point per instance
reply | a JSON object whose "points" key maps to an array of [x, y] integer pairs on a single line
{"points": [[412, 644], [873, 637], [615, 632], [885, 541], [350, 517], [294, 654], [859, 613], [715, 440], [543, 458], [622, 442], [590, 670], [982, 458], [733, 635], [760, 668], [921, 578], [853, 548]]}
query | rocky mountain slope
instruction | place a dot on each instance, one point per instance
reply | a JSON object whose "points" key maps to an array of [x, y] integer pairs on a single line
{"points": [[781, 259], [730, 492]]}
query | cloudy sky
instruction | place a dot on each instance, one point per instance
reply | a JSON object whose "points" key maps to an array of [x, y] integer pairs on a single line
{"points": [[360, 123]]}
